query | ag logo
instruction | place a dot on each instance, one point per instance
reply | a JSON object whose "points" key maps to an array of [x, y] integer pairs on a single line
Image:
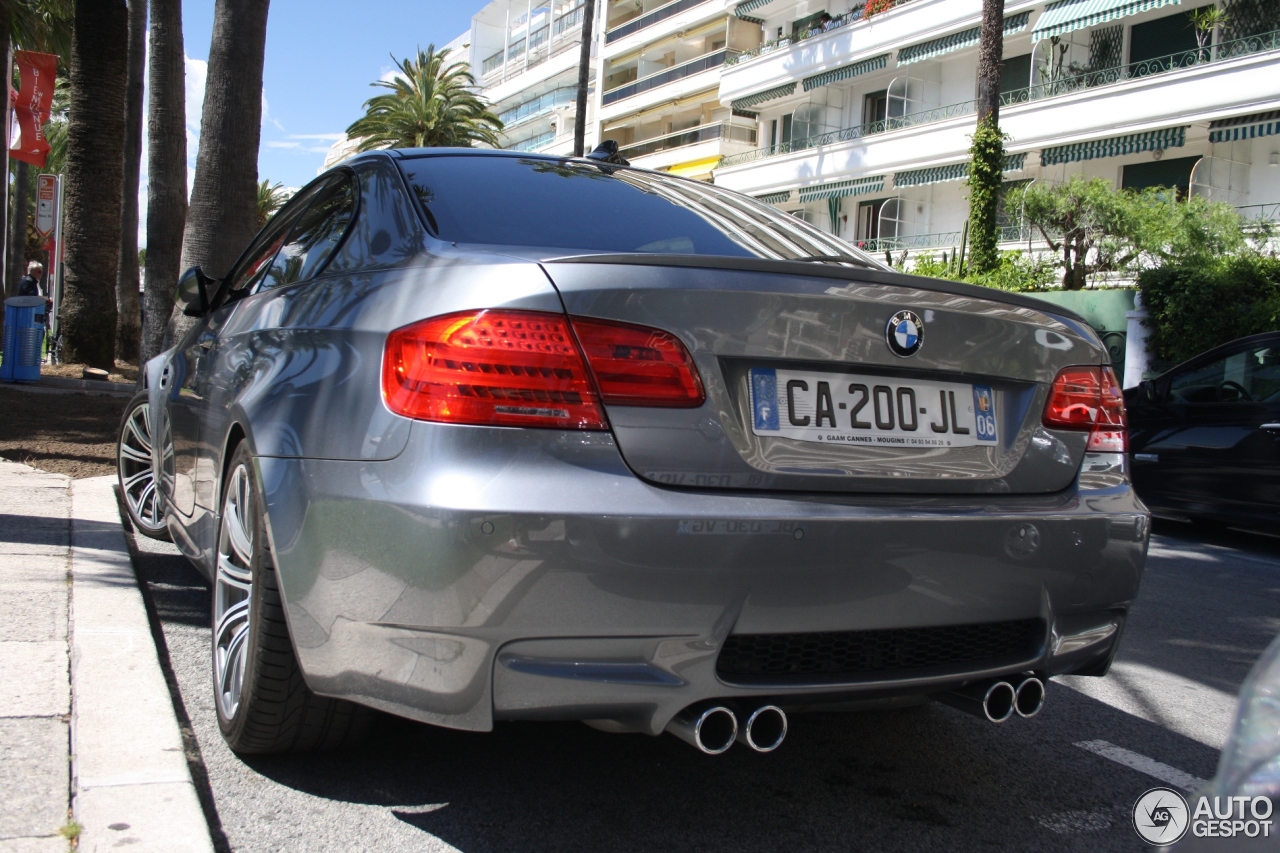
{"points": [[1160, 816], [904, 333]]}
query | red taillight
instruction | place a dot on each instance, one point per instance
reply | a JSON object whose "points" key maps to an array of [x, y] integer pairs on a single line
{"points": [[638, 366], [524, 368], [500, 368], [1089, 398]]}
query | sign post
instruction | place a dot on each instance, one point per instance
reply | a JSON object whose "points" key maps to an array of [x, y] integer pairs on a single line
{"points": [[49, 227]]}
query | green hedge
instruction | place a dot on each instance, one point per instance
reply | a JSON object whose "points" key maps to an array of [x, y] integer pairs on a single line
{"points": [[1195, 307]]}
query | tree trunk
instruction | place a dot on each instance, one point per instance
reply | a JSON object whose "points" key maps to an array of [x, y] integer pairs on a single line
{"points": [[224, 198], [584, 77], [166, 171], [986, 165], [16, 255], [128, 323], [94, 176], [990, 59]]}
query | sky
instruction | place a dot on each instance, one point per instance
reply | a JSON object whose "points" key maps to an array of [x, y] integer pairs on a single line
{"points": [[321, 57]]}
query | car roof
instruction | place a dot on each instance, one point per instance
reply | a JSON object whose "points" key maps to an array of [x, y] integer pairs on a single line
{"points": [[1210, 354]]}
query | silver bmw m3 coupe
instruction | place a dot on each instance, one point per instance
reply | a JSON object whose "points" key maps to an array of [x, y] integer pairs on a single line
{"points": [[470, 436]]}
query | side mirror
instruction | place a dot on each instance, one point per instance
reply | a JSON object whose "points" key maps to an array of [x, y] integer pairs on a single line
{"points": [[192, 295], [1149, 392]]}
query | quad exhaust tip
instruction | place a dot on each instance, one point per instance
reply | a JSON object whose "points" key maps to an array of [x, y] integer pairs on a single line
{"points": [[1029, 697], [711, 729], [765, 730]]}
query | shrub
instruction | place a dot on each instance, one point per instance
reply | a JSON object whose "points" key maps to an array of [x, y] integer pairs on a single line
{"points": [[1198, 305], [1014, 271]]}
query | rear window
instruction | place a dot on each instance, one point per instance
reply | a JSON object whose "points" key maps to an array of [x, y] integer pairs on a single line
{"points": [[579, 205]]}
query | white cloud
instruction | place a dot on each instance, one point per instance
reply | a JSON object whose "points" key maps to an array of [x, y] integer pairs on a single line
{"points": [[283, 143], [266, 114], [327, 137], [197, 75]]}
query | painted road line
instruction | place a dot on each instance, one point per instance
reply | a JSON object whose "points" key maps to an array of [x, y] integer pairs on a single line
{"points": [[1142, 764]]}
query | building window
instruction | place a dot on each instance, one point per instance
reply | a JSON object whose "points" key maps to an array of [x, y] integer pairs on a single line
{"points": [[1174, 173], [1161, 37], [875, 107], [869, 219], [1015, 76]]}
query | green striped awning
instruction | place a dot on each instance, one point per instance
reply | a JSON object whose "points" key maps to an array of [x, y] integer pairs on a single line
{"points": [[1116, 146], [774, 198], [761, 97], [956, 41], [1067, 15], [875, 63], [749, 6], [952, 172], [840, 189], [1245, 127]]}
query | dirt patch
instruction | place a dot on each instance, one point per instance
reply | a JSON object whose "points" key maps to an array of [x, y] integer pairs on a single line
{"points": [[123, 373], [72, 434]]}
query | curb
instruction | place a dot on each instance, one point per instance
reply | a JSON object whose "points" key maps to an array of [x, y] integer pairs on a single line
{"points": [[88, 385], [130, 784]]}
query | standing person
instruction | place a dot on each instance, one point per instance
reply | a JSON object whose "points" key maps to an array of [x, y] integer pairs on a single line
{"points": [[29, 284]]}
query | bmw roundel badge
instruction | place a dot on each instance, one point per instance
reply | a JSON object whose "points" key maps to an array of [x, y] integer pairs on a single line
{"points": [[904, 333]]}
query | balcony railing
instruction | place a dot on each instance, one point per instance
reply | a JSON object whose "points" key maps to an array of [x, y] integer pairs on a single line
{"points": [[692, 136], [1050, 89], [534, 143], [659, 14], [539, 49], [1261, 212], [538, 106], [678, 72], [850, 17]]}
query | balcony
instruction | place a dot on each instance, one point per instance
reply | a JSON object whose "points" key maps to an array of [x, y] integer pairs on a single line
{"points": [[852, 16], [538, 106], [681, 139], [535, 143], [541, 45], [1109, 77], [677, 72], [658, 15]]}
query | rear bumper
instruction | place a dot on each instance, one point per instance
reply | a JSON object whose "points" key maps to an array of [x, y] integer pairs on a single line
{"points": [[502, 574]]}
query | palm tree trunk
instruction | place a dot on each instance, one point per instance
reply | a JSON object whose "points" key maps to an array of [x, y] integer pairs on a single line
{"points": [[986, 166], [224, 197], [94, 177], [584, 76], [166, 171], [16, 255], [128, 323]]}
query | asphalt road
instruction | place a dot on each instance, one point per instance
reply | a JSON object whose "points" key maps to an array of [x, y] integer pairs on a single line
{"points": [[924, 778]]}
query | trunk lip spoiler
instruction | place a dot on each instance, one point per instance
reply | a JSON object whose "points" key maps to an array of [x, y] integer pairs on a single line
{"points": [[821, 270]]}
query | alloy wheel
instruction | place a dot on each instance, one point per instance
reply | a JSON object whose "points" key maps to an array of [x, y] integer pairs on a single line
{"points": [[137, 476], [233, 591]]}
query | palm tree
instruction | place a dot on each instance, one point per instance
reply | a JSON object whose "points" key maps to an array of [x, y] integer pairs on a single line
{"points": [[224, 196], [271, 197], [128, 323], [430, 105], [986, 167], [166, 171], [94, 178]]}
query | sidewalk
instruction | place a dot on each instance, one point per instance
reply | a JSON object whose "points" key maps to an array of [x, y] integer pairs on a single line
{"points": [[89, 742]]}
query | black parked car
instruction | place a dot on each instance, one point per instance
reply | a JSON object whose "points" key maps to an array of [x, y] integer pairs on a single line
{"points": [[1205, 436]]}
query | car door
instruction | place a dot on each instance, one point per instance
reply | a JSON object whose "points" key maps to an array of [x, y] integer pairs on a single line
{"points": [[194, 361], [314, 230], [1214, 447]]}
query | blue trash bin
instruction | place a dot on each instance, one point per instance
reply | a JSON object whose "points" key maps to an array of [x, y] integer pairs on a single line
{"points": [[23, 339]]}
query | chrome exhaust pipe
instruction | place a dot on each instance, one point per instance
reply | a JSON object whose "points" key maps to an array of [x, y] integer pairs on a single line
{"points": [[990, 700], [710, 728], [1029, 697], [765, 730]]}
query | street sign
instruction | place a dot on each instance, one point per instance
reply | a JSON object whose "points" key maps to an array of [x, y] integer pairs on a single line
{"points": [[46, 204]]}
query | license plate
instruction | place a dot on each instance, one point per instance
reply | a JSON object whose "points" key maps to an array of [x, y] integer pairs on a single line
{"points": [[850, 408]]}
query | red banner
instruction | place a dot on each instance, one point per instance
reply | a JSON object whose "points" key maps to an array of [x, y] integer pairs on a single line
{"points": [[31, 106]]}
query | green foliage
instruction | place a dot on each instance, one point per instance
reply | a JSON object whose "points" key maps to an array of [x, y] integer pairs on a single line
{"points": [[1095, 228], [1201, 304], [1015, 271], [430, 105], [986, 176], [271, 197]]}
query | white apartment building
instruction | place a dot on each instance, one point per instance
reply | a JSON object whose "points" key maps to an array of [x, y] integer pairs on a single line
{"points": [[524, 55], [864, 122], [660, 63]]}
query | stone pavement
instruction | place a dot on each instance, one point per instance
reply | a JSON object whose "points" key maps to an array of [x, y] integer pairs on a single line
{"points": [[89, 740]]}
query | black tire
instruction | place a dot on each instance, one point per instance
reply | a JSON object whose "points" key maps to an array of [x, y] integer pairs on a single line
{"points": [[138, 488], [273, 711]]}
